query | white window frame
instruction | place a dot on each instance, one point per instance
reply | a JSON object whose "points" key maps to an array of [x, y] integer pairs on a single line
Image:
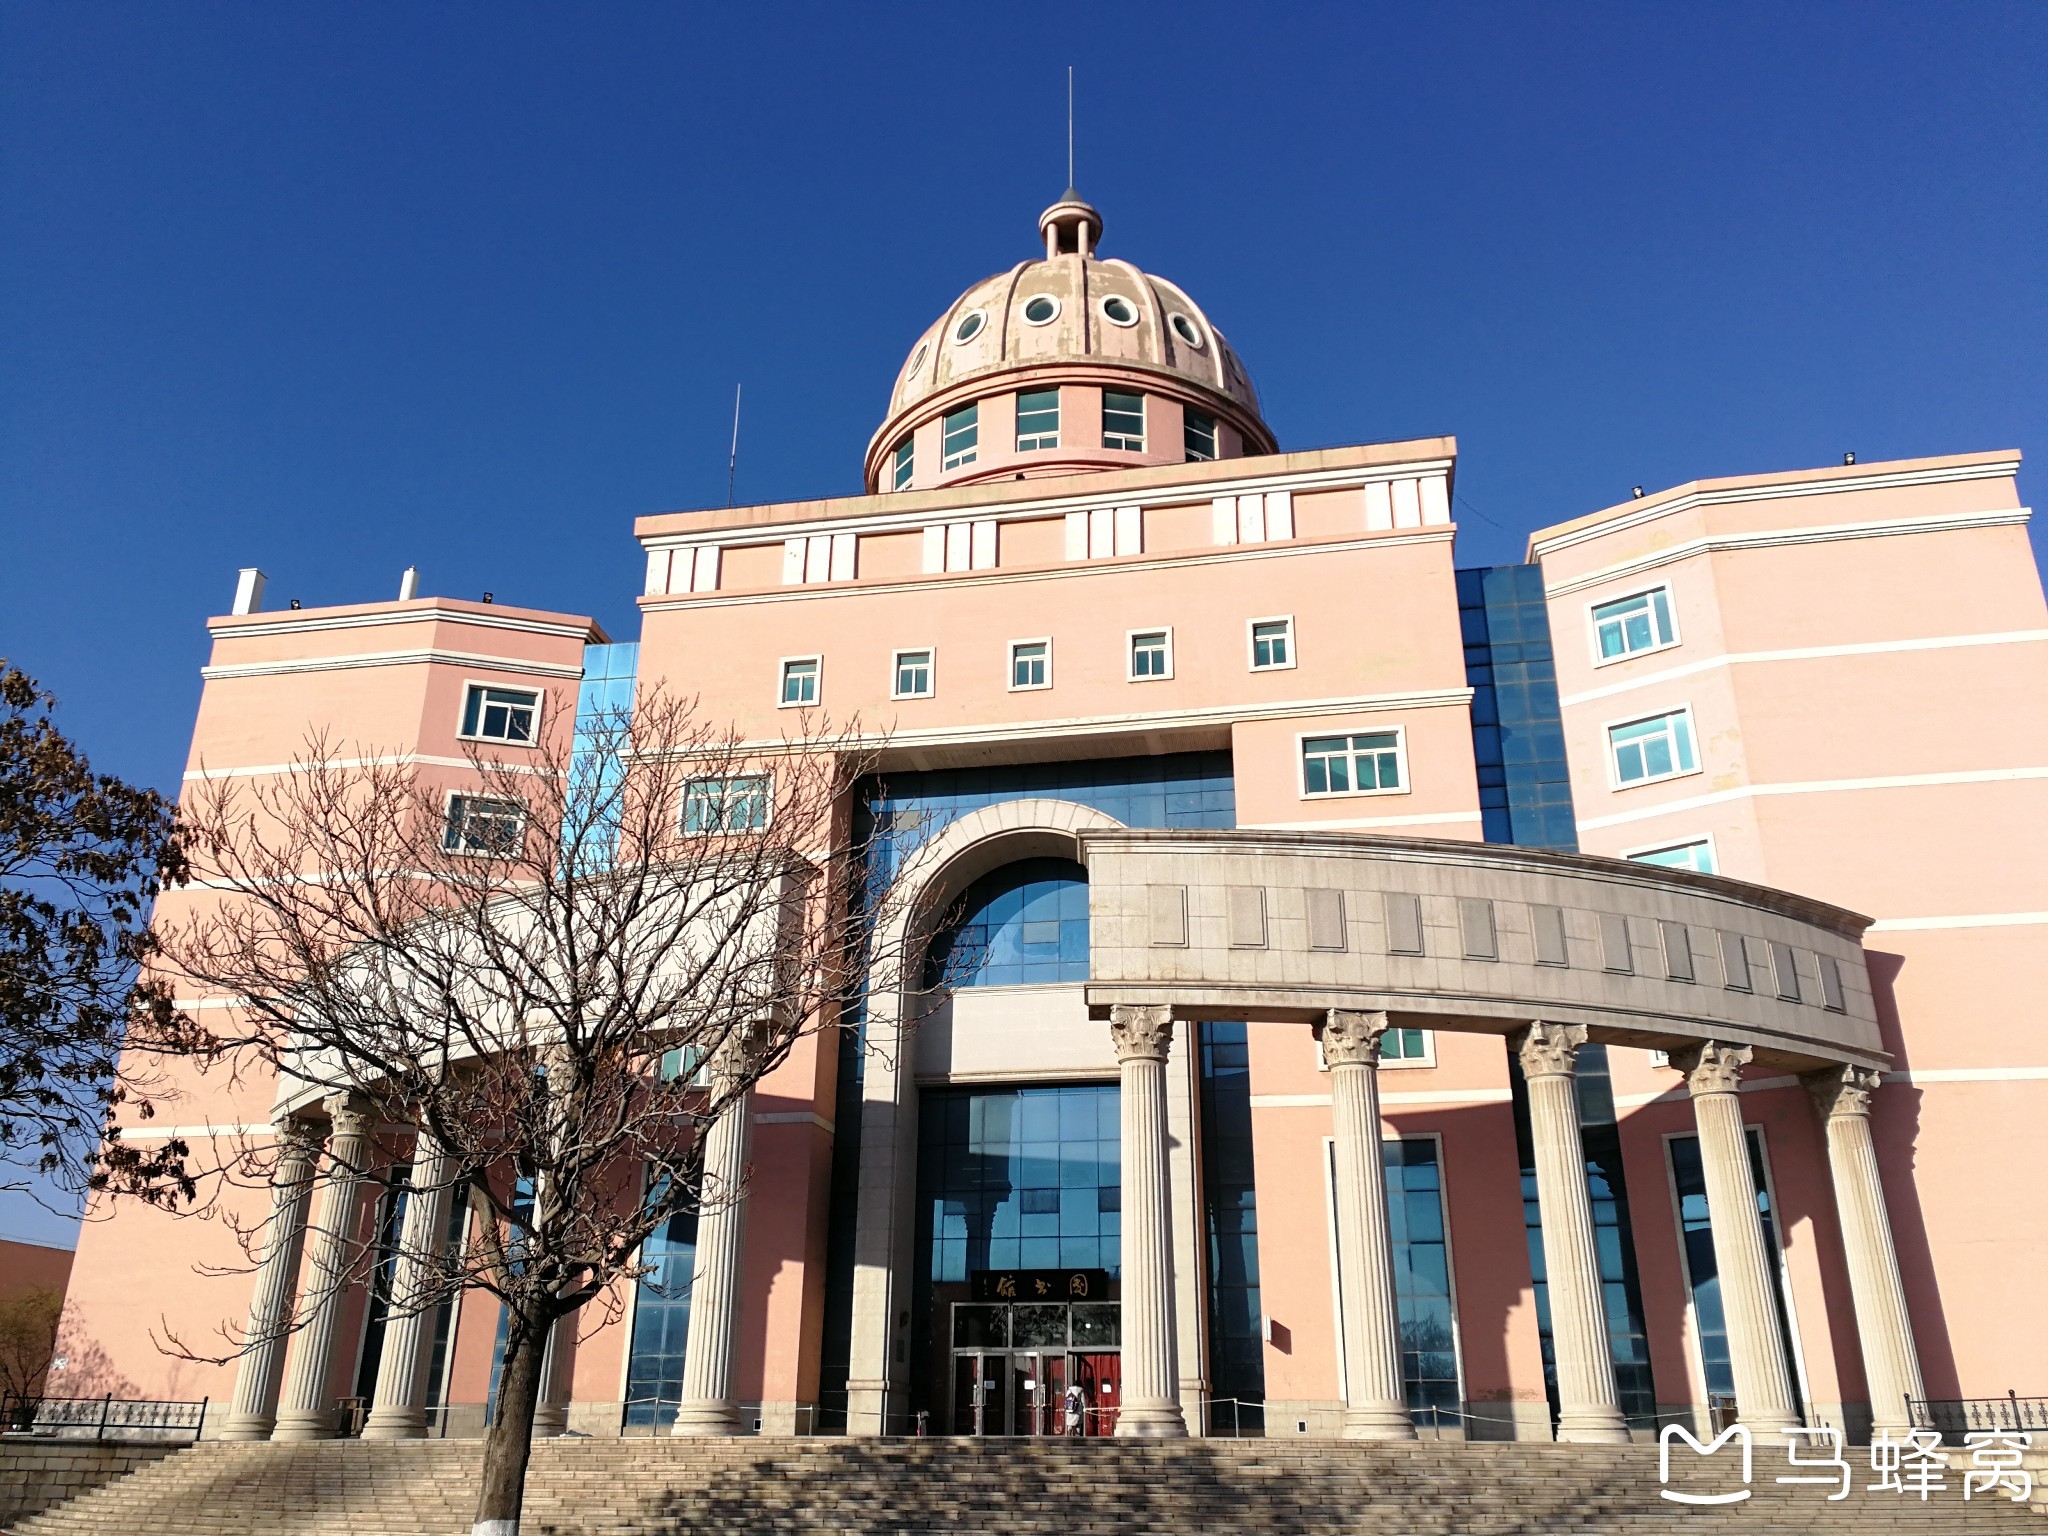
{"points": [[1215, 437], [767, 803], [1593, 624], [1301, 738], [949, 462], [1391, 1063], [1706, 841], [930, 653], [902, 468], [1608, 728], [1040, 442], [1144, 423], [1011, 663], [472, 684], [1251, 643], [782, 666], [1131, 673], [448, 800]]}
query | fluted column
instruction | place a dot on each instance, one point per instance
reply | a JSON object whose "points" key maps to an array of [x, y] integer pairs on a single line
{"points": [[307, 1412], [1375, 1398], [708, 1406], [1891, 1365], [400, 1409], [1763, 1387], [260, 1374], [1151, 1349], [557, 1376], [1588, 1402]]}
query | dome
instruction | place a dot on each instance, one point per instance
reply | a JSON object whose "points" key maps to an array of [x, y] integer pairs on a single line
{"points": [[1067, 317]]}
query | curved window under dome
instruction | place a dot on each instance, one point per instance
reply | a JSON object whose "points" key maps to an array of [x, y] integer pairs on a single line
{"points": [[1184, 328], [969, 326], [1041, 309], [1118, 310], [1023, 924]]}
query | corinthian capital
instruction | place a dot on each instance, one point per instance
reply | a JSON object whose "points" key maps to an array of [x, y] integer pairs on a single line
{"points": [[1142, 1031], [1843, 1090], [348, 1116], [1352, 1039], [1711, 1067], [1550, 1050]]}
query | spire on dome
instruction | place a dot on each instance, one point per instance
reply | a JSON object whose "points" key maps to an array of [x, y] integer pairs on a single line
{"points": [[1071, 226]]}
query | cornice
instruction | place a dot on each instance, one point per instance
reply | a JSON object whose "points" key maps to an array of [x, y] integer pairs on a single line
{"points": [[252, 626], [412, 658]]}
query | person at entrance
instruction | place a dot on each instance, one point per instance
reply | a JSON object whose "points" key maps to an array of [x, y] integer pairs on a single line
{"points": [[1076, 1410]]}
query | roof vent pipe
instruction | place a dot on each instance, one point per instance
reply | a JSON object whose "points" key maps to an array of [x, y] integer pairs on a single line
{"points": [[409, 584], [249, 591]]}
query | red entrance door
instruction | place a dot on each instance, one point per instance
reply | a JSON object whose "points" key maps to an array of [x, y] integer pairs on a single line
{"points": [[1101, 1379]]}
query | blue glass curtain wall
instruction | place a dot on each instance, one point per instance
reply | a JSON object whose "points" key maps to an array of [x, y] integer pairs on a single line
{"points": [[1525, 789], [1237, 1367], [1422, 1276], [661, 1326], [1021, 925]]}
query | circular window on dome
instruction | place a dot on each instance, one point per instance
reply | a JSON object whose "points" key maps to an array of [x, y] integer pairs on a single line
{"points": [[1041, 309], [1184, 328], [1119, 311], [969, 326], [916, 359]]}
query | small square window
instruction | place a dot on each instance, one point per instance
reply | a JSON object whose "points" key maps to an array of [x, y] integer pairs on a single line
{"points": [[913, 675], [738, 804], [1123, 421], [1038, 420], [1367, 763], [961, 435], [800, 681], [1030, 664], [478, 825], [1198, 435], [1660, 747], [1272, 644], [1633, 624], [687, 1064], [904, 465], [501, 714], [1151, 654], [1406, 1047]]}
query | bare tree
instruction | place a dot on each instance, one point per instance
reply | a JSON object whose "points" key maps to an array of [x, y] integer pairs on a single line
{"points": [[544, 986]]}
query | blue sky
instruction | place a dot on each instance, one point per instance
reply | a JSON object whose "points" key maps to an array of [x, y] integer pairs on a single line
{"points": [[337, 289]]}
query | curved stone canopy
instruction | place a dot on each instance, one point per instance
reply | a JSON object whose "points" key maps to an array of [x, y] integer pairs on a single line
{"points": [[1472, 936]]}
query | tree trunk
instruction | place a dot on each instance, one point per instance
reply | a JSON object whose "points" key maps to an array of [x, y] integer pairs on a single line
{"points": [[508, 1443]]}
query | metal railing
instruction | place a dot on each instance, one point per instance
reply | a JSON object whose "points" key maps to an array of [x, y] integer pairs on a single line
{"points": [[1234, 1418], [98, 1417], [1955, 1416]]}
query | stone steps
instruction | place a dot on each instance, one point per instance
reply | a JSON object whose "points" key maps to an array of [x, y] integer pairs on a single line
{"points": [[1001, 1488]]}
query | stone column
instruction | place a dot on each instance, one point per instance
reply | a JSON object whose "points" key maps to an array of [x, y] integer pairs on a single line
{"points": [[1151, 1348], [557, 1380], [261, 1372], [400, 1409], [1376, 1400], [307, 1412], [1588, 1402], [1763, 1387], [708, 1407], [1891, 1366]]}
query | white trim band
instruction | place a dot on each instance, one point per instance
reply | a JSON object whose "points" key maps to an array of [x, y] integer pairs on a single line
{"points": [[251, 626], [1816, 787], [1805, 653], [1967, 920], [421, 657]]}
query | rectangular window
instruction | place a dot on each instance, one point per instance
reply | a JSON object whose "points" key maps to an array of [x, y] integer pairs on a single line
{"points": [[1697, 856], [478, 825], [500, 714], [913, 678], [1031, 664], [1657, 748], [1151, 654], [1365, 764], [1038, 420], [726, 805], [904, 465], [1405, 1046], [1272, 644], [1123, 421], [800, 681], [1422, 1278], [962, 432], [1198, 435], [1628, 625]]}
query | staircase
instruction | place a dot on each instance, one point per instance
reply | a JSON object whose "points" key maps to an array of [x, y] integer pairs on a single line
{"points": [[992, 1488]]}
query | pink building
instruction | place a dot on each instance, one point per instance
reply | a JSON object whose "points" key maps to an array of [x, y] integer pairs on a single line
{"points": [[1558, 998]]}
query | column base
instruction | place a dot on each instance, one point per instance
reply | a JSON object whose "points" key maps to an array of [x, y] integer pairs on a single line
{"points": [[550, 1420], [247, 1427], [717, 1416], [305, 1426], [1151, 1421], [396, 1424], [1593, 1426], [1378, 1421], [868, 1408]]}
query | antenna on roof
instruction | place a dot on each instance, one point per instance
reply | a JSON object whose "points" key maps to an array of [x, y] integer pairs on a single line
{"points": [[732, 464], [1070, 125]]}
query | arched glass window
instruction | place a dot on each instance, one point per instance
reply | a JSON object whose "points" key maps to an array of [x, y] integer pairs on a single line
{"points": [[1022, 924]]}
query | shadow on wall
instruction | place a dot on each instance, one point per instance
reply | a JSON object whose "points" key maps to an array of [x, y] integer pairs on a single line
{"points": [[1897, 1150], [81, 1368]]}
